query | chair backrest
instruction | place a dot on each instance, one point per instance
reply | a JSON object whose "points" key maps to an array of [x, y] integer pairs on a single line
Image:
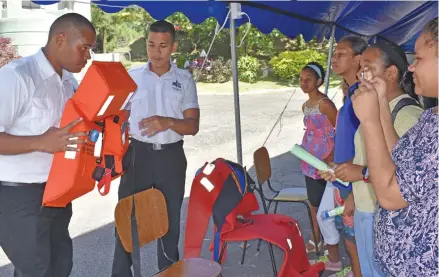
{"points": [[261, 160], [151, 217]]}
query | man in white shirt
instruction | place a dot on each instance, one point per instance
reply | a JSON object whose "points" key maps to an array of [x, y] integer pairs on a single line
{"points": [[163, 110], [33, 93]]}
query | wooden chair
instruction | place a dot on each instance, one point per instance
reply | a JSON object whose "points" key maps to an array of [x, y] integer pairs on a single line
{"points": [[152, 224], [262, 164]]}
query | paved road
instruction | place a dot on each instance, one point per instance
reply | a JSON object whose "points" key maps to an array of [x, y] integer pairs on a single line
{"points": [[92, 227]]}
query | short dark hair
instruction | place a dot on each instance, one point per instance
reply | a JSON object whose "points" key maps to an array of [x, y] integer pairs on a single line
{"points": [[358, 45], [163, 26], [69, 20]]}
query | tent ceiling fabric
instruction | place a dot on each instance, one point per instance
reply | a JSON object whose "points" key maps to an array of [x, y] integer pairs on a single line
{"points": [[398, 21]]}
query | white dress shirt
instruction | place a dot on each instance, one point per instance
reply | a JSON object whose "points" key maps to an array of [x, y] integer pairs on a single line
{"points": [[169, 96], [32, 100]]}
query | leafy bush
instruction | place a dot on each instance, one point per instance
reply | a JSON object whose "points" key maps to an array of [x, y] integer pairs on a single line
{"points": [[288, 64], [221, 71], [182, 58], [127, 64], [8, 52], [196, 73], [248, 69]]}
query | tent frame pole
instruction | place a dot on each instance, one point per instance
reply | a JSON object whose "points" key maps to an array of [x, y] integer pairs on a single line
{"points": [[236, 88], [331, 48]]}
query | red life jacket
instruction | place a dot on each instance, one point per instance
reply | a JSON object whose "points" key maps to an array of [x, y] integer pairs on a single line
{"points": [[213, 193]]}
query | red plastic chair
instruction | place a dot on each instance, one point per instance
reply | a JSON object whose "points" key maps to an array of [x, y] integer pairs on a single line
{"points": [[276, 229]]}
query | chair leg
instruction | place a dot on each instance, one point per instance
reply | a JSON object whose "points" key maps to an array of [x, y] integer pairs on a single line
{"points": [[220, 258], [268, 208], [273, 262], [312, 228], [275, 207], [275, 211], [243, 252]]}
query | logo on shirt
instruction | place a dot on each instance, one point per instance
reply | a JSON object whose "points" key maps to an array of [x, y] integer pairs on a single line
{"points": [[176, 85]]}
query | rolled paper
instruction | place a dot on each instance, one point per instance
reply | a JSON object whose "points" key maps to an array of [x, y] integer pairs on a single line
{"points": [[305, 156], [331, 213]]}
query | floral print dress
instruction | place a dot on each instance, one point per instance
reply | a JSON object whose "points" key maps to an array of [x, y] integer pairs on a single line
{"points": [[406, 240], [318, 139]]}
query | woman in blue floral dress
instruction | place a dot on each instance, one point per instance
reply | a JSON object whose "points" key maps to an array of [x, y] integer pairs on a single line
{"points": [[405, 181]]}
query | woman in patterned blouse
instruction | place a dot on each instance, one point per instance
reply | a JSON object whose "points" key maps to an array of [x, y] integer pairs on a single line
{"points": [[406, 180]]}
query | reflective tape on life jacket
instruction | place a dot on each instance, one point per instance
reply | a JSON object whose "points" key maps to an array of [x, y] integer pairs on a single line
{"points": [[216, 192], [206, 187]]}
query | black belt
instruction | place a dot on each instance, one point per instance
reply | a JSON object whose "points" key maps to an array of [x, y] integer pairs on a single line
{"points": [[156, 146], [18, 184]]}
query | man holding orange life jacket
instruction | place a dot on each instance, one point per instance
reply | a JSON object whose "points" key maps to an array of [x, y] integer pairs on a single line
{"points": [[163, 110], [33, 93]]}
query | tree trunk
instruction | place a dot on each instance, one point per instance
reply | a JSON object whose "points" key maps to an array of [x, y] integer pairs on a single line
{"points": [[104, 41]]}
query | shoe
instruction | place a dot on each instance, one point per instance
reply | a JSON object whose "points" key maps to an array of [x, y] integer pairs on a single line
{"points": [[331, 266], [346, 272]]}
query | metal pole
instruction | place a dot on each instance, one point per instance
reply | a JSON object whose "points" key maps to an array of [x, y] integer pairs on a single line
{"points": [[328, 69], [236, 89]]}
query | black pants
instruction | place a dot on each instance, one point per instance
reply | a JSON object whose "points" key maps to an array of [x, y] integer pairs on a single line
{"points": [[164, 170], [315, 189], [35, 239]]}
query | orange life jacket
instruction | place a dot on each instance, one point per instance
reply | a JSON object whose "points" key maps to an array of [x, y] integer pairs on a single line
{"points": [[100, 100]]}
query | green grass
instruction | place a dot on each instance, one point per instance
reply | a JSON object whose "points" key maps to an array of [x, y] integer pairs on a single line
{"points": [[265, 84], [243, 87], [133, 64]]}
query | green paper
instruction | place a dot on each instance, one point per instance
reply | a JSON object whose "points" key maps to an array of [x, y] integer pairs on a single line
{"points": [[305, 156]]}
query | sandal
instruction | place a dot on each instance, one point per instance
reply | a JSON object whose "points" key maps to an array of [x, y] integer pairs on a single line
{"points": [[345, 272], [313, 246]]}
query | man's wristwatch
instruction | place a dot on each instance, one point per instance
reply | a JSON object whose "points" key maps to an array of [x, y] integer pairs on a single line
{"points": [[365, 173]]}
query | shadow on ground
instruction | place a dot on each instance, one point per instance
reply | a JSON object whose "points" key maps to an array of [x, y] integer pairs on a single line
{"points": [[93, 251]]}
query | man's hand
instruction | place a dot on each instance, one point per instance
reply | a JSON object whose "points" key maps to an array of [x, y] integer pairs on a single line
{"points": [[349, 172], [155, 124], [349, 205], [327, 175], [59, 139]]}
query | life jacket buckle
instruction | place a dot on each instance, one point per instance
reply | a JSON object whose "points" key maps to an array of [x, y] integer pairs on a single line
{"points": [[244, 221]]}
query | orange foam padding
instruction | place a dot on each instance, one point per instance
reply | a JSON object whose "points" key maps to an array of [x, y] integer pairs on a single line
{"points": [[104, 91], [71, 173]]}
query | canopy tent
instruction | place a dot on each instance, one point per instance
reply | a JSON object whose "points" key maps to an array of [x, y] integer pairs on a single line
{"points": [[397, 21]]}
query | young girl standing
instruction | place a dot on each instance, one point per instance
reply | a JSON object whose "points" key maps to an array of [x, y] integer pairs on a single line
{"points": [[319, 118]]}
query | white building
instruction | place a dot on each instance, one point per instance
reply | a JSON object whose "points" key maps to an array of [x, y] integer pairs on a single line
{"points": [[27, 24]]}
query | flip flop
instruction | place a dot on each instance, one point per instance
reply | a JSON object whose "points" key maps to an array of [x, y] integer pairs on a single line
{"points": [[313, 244]]}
